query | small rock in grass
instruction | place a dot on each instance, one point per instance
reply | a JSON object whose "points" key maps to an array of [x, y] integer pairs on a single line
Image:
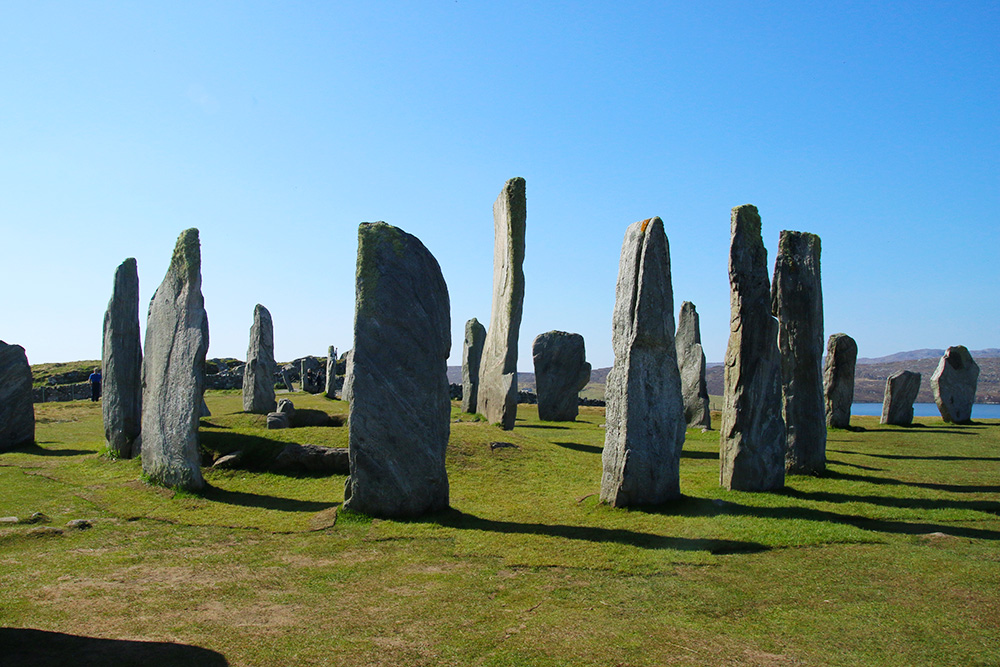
{"points": [[80, 524], [229, 461], [503, 445]]}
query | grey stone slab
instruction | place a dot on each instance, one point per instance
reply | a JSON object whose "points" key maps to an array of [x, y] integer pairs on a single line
{"points": [[691, 365], [954, 385], [258, 372], [838, 379], [472, 355], [561, 371], [121, 365], [17, 412], [901, 389]]}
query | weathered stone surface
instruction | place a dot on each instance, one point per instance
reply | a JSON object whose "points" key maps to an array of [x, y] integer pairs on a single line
{"points": [[258, 373], [173, 371], [347, 391], [121, 365], [691, 366], [278, 420], [205, 412], [400, 412], [330, 390], [797, 302], [497, 397], [954, 385], [561, 371], [309, 375], [286, 377], [229, 461], [472, 355], [752, 434], [645, 409], [313, 459], [838, 379], [286, 406], [17, 413], [901, 390]]}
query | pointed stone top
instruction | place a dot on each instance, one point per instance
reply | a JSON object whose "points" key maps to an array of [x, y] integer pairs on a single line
{"points": [[187, 255]]}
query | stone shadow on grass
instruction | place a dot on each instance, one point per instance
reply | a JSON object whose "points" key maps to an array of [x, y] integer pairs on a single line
{"points": [[21, 647], [992, 507], [577, 447], [244, 499], [691, 454], [853, 465], [36, 449], [544, 426], [905, 457], [934, 486]]}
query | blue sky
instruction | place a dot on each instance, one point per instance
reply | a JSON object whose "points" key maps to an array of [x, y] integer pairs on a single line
{"points": [[275, 128]]}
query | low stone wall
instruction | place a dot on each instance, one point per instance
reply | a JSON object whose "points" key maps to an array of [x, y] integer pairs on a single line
{"points": [[78, 391]]}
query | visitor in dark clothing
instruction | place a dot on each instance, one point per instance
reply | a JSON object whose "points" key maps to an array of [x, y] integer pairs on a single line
{"points": [[95, 384]]}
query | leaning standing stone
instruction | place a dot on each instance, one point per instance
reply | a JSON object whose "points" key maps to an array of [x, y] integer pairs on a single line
{"points": [[497, 397], [954, 385], [472, 354], [752, 435], [330, 390], [400, 409], [561, 371], [17, 412], [645, 409], [797, 302], [258, 373], [121, 354], [691, 365], [838, 379], [901, 389], [173, 371]]}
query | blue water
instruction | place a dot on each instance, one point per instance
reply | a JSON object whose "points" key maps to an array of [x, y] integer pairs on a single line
{"points": [[979, 410]]}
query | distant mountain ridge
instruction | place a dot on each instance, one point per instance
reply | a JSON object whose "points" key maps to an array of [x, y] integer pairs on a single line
{"points": [[929, 353]]}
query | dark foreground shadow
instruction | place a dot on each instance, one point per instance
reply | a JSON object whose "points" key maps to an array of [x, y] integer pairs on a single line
{"points": [[24, 647], [460, 520], [545, 426], [989, 506], [36, 449], [577, 447], [852, 465], [243, 499], [905, 457], [889, 481]]}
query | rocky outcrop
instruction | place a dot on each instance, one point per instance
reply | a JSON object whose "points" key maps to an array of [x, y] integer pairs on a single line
{"points": [[121, 355], [752, 434], [17, 414], [472, 354], [838, 379], [561, 371], [258, 373], [797, 302], [400, 410], [173, 371], [497, 397], [900, 391], [954, 385], [645, 409], [691, 365]]}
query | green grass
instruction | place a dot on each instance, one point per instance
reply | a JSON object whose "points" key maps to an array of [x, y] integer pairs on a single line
{"points": [[892, 558]]}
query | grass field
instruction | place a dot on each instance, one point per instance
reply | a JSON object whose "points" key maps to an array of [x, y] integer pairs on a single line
{"points": [[892, 558]]}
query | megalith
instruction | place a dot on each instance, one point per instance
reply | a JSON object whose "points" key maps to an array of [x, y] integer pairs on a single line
{"points": [[838, 379], [258, 372], [17, 412], [347, 391], [400, 409], [645, 409], [797, 302], [330, 390], [901, 389], [954, 385], [497, 395], [121, 365], [472, 354], [309, 375], [561, 371], [173, 371], [691, 366], [752, 434]]}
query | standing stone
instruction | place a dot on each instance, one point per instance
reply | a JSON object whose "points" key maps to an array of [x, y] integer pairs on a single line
{"points": [[121, 365], [258, 373], [497, 397], [797, 302], [17, 412], [310, 381], [173, 371], [472, 355], [838, 379], [901, 389], [401, 408], [954, 385], [561, 371], [645, 408], [347, 391], [286, 377], [691, 365], [752, 435], [330, 390]]}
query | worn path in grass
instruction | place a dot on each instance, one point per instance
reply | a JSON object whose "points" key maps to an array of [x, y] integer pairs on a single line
{"points": [[893, 557]]}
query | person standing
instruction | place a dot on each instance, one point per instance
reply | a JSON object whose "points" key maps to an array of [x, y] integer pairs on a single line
{"points": [[95, 385]]}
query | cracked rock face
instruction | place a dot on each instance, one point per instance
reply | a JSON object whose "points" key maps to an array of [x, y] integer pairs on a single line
{"points": [[901, 389], [472, 355], [121, 364], [258, 373], [691, 365], [400, 406], [645, 409], [954, 385], [752, 434], [17, 411], [561, 371], [173, 371], [838, 379]]}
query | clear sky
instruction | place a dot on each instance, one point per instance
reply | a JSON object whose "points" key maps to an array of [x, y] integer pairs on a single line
{"points": [[275, 128]]}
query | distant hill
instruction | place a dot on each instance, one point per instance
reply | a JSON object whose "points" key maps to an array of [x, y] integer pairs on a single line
{"points": [[912, 355]]}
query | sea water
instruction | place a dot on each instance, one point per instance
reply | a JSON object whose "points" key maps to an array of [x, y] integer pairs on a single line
{"points": [[979, 410]]}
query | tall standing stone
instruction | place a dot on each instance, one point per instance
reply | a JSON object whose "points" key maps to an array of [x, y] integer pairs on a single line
{"points": [[121, 365], [17, 412], [472, 355], [838, 379], [309, 375], [258, 373], [401, 407], [330, 390], [797, 302], [497, 397], [561, 371], [347, 392], [173, 371], [645, 408], [752, 435], [901, 389], [954, 385], [691, 365]]}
